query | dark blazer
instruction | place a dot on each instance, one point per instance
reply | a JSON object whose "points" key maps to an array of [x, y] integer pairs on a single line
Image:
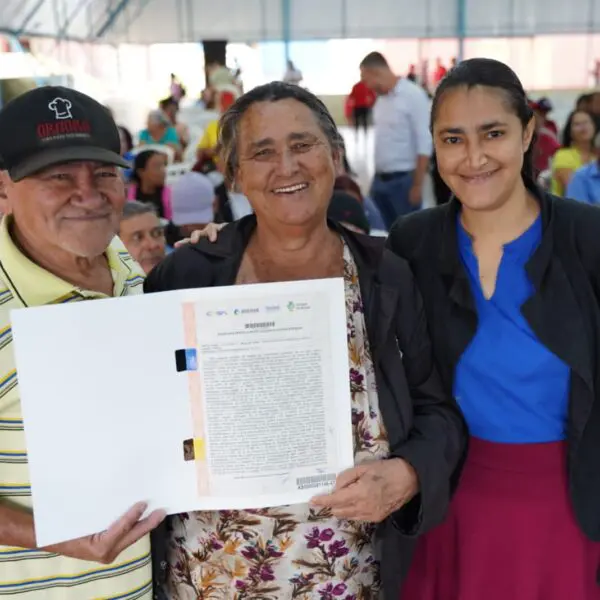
{"points": [[423, 422], [563, 312]]}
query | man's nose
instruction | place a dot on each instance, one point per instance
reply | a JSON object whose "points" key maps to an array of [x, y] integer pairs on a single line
{"points": [[152, 244], [87, 192]]}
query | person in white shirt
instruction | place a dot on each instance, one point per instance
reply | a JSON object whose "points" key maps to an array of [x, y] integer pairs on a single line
{"points": [[403, 144]]}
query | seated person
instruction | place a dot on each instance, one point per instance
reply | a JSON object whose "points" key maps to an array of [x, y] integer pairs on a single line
{"points": [[160, 131], [345, 183], [346, 210], [170, 107], [126, 140], [148, 182], [193, 202], [148, 185], [585, 184], [207, 148], [578, 150], [143, 234]]}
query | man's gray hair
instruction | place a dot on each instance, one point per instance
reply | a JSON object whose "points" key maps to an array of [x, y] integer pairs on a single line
{"points": [[134, 208], [270, 92]]}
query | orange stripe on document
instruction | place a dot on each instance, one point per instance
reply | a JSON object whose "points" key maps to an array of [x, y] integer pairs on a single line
{"points": [[196, 403]]}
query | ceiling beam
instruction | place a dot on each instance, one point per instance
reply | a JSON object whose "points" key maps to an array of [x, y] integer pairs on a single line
{"points": [[112, 16], [70, 18], [30, 15]]}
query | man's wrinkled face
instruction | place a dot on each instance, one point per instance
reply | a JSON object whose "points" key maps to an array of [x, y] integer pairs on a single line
{"points": [[144, 238], [75, 207]]}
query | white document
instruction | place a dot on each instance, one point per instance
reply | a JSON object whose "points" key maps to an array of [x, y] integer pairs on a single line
{"points": [[219, 398]]}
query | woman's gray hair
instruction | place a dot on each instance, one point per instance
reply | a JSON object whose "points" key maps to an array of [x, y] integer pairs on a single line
{"points": [[270, 92]]}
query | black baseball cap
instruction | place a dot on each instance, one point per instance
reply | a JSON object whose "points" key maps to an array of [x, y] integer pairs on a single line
{"points": [[51, 125], [544, 105]]}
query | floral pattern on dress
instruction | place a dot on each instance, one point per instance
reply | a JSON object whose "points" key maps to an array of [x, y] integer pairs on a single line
{"points": [[290, 552]]}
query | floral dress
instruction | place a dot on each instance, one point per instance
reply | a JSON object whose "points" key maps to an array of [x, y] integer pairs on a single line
{"points": [[290, 552]]}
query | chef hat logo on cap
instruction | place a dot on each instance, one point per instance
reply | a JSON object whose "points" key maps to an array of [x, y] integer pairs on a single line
{"points": [[52, 125]]}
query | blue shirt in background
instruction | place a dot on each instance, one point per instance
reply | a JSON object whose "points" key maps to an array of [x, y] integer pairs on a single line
{"points": [[373, 215], [130, 158], [510, 387], [585, 184], [170, 137]]}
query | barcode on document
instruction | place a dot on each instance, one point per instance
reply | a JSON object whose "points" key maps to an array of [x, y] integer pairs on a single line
{"points": [[315, 481]]}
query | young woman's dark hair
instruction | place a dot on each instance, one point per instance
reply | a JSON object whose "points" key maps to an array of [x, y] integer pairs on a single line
{"points": [[583, 102], [140, 162], [567, 134], [490, 73]]}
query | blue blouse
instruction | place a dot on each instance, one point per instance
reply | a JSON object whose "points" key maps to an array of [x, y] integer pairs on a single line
{"points": [[510, 387]]}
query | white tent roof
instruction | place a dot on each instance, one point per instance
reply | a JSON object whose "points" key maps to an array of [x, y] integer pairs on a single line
{"points": [[155, 21]]}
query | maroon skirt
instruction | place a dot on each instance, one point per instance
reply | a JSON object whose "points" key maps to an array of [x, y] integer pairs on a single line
{"points": [[510, 533]]}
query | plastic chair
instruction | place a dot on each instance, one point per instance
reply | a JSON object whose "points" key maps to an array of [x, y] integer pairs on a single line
{"points": [[544, 179], [156, 148], [176, 170]]}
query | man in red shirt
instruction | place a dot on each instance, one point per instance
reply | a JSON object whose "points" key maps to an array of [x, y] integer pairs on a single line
{"points": [[544, 107], [361, 100], [547, 141], [440, 72]]}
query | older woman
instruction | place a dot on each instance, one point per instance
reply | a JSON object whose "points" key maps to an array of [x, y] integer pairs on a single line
{"points": [[160, 131], [281, 148]]}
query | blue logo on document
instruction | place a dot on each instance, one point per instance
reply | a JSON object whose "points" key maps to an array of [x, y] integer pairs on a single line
{"points": [[186, 360]]}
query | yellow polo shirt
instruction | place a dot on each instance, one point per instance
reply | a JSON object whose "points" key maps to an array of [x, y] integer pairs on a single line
{"points": [[210, 137], [32, 574], [565, 158]]}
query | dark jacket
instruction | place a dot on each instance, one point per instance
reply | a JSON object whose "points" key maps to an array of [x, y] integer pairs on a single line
{"points": [[563, 312], [423, 423]]}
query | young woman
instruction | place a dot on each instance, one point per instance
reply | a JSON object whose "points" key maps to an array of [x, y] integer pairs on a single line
{"points": [[148, 185], [577, 150], [511, 280]]}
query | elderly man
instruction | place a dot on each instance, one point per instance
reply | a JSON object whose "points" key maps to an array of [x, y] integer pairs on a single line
{"points": [[143, 234], [62, 197]]}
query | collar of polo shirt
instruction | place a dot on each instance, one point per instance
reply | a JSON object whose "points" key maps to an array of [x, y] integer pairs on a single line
{"points": [[35, 286]]}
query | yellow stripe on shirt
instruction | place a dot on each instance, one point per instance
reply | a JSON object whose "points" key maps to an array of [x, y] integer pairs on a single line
{"points": [[30, 574]]}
